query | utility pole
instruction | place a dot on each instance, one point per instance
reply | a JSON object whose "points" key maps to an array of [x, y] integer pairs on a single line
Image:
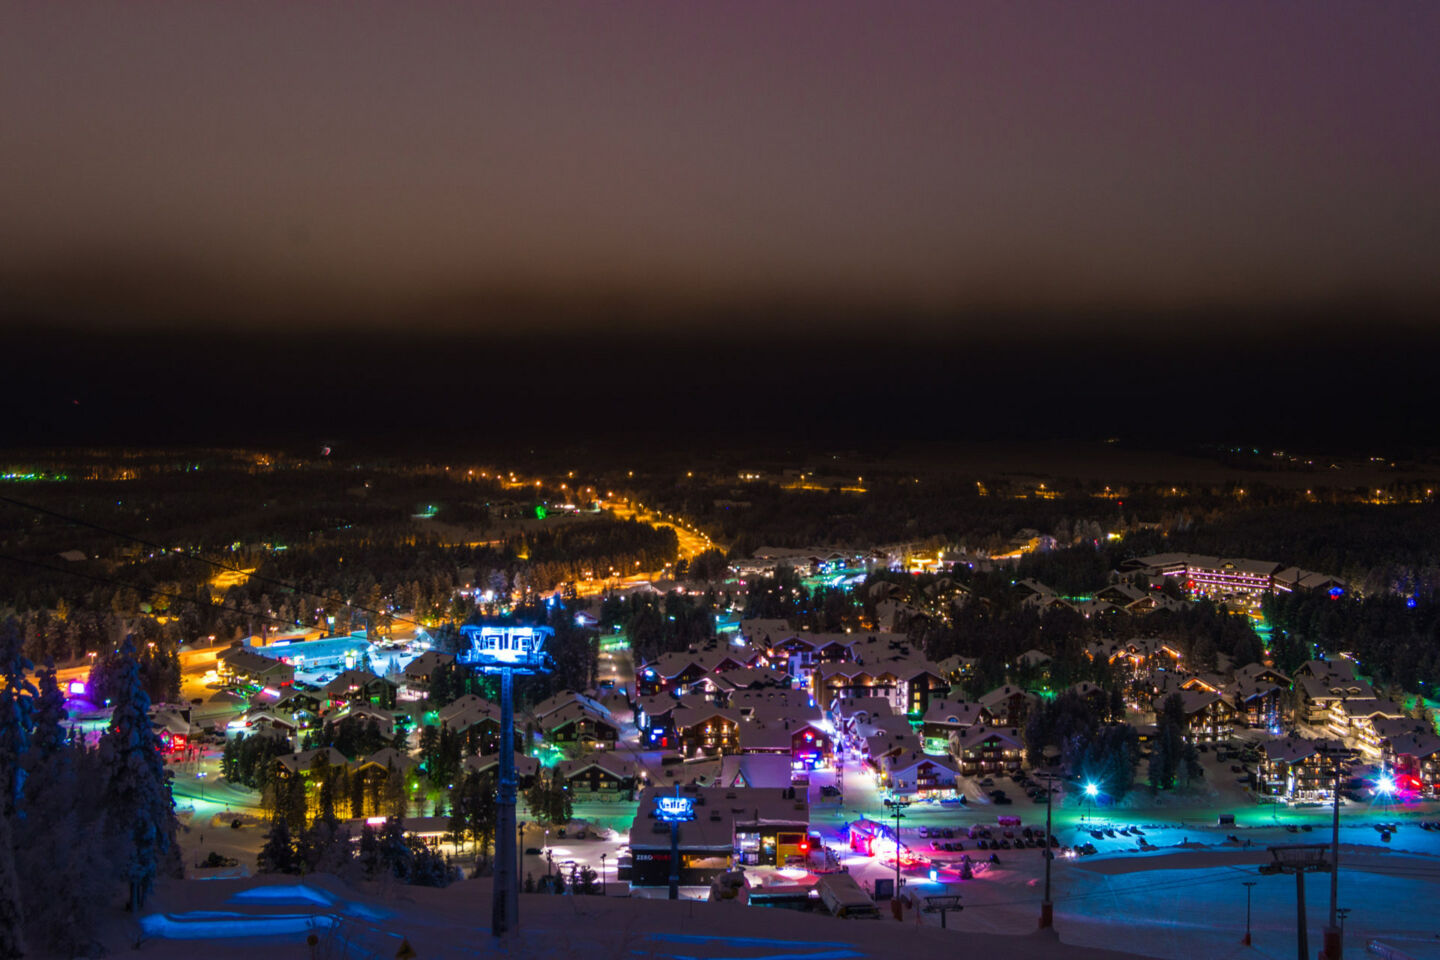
{"points": [[1047, 908], [1247, 884]]}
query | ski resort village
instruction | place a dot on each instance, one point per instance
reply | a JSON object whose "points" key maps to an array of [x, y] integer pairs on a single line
{"points": [[1158, 735]]}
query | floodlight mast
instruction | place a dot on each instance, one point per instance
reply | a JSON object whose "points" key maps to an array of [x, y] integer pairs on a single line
{"points": [[506, 651]]}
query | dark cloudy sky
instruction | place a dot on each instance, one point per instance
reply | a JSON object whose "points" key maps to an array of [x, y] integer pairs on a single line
{"points": [[249, 161]]}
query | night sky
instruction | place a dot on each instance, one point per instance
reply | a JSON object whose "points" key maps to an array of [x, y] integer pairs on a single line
{"points": [[358, 190]]}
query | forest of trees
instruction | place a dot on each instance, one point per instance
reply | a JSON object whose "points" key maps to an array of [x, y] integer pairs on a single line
{"points": [[85, 827], [1395, 638]]}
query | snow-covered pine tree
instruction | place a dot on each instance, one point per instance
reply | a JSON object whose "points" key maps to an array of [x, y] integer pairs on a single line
{"points": [[17, 700], [59, 853], [12, 935], [138, 801], [278, 854]]}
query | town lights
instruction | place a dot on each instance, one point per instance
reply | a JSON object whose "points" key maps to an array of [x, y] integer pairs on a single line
{"points": [[1386, 784]]}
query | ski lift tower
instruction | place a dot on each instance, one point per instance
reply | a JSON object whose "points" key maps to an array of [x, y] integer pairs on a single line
{"points": [[1299, 859], [507, 651]]}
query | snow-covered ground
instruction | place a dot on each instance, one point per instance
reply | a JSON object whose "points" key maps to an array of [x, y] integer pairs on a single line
{"points": [[225, 919]]}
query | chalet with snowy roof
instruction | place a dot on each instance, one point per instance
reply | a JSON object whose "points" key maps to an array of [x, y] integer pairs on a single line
{"points": [[1209, 717], [1414, 760], [1141, 654], [753, 678], [1096, 696], [1355, 721], [364, 715], [1320, 694], [669, 673], [1121, 594], [897, 615], [1031, 590], [1033, 658], [909, 681], [944, 717], [774, 706], [243, 665], [478, 721], [884, 745], [957, 668], [766, 634], [526, 768], [1204, 683], [707, 730], [654, 718], [988, 751], [1260, 704], [303, 705], [1298, 769], [1337, 669], [1260, 673], [808, 744], [361, 685], [1294, 578], [306, 761], [577, 724], [416, 675], [920, 775], [755, 770], [1009, 705], [753, 826], [267, 721], [602, 777], [387, 759], [567, 698]]}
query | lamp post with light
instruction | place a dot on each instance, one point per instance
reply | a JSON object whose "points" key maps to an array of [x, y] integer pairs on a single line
{"points": [[1091, 792], [1247, 884], [507, 651], [897, 806], [1047, 908]]}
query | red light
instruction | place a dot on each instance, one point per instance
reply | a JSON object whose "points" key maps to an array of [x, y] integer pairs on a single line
{"points": [[804, 846]]}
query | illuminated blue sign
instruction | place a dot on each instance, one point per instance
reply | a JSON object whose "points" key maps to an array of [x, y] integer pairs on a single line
{"points": [[494, 647], [675, 809]]}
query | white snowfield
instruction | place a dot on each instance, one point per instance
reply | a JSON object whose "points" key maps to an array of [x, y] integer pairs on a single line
{"points": [[246, 918], [1182, 900]]}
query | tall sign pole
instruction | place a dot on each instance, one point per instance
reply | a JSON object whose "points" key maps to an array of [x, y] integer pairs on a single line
{"points": [[675, 811], [504, 905], [506, 651]]}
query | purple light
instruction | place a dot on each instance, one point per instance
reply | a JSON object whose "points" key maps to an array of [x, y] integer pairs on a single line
{"points": [[77, 688]]}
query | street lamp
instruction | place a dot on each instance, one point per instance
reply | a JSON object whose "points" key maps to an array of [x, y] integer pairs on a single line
{"points": [[1247, 884], [1091, 792], [897, 806], [1047, 908], [602, 874]]}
